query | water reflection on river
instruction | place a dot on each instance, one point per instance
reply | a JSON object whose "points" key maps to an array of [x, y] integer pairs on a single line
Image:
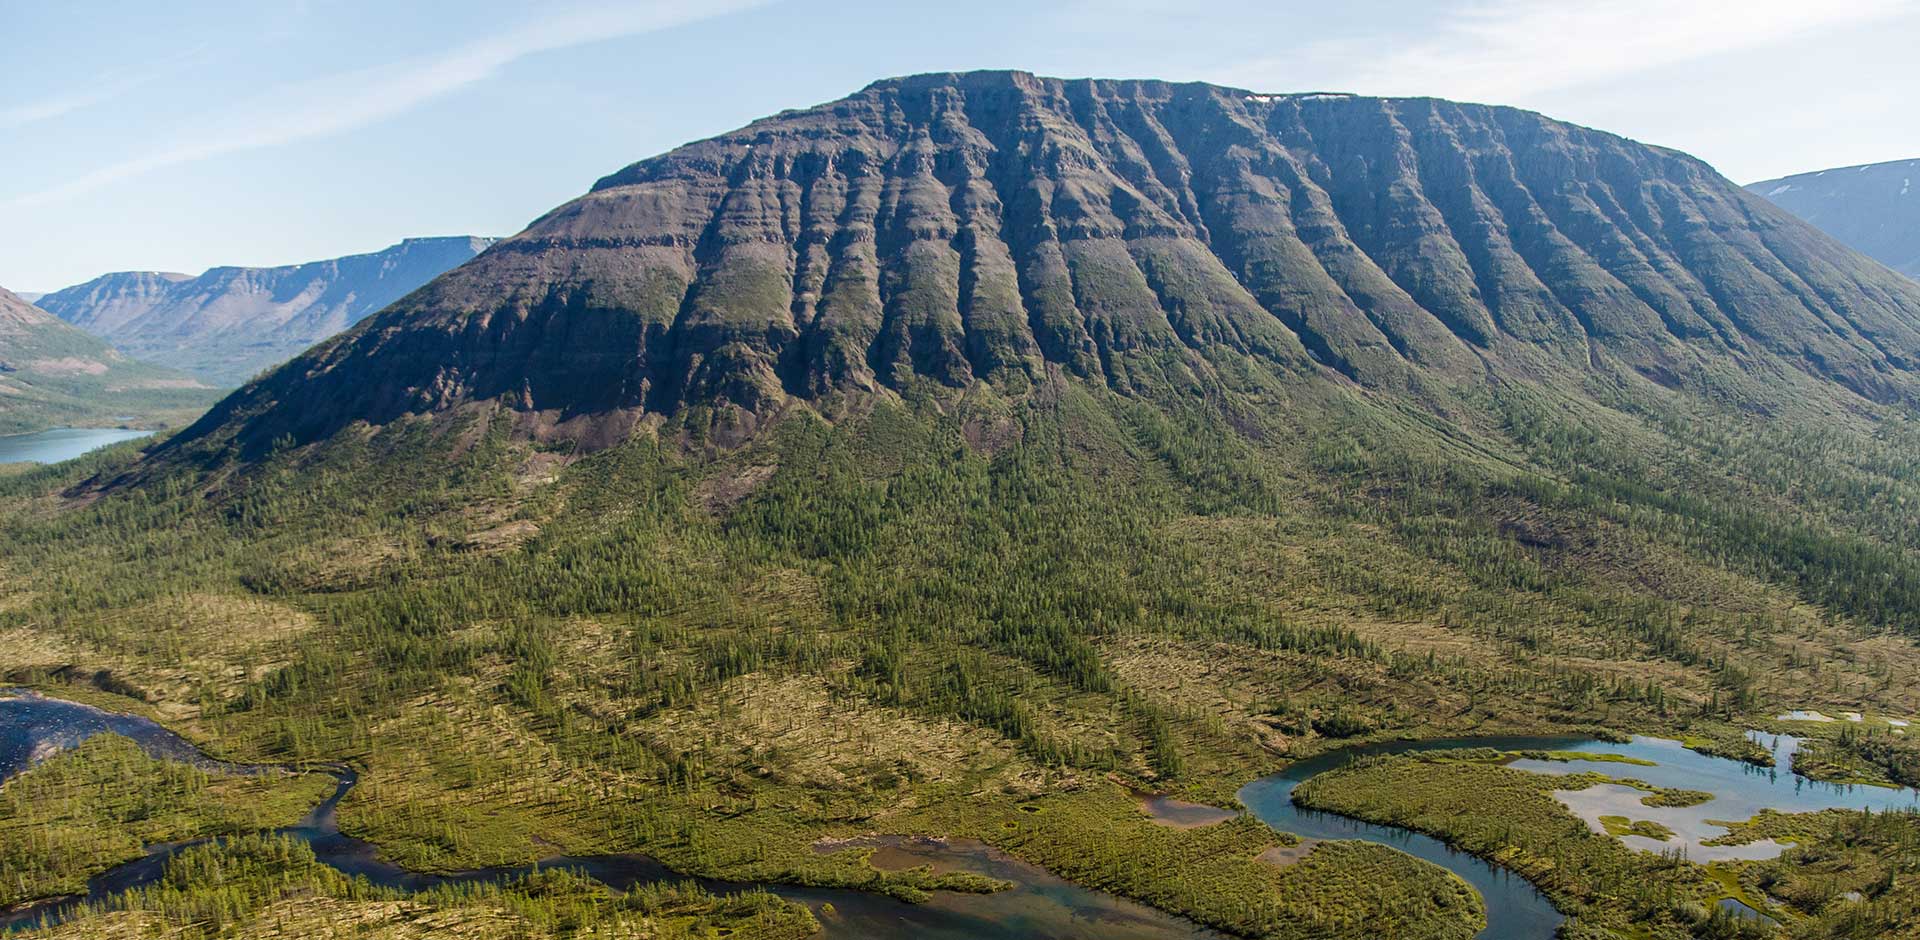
{"points": [[1041, 905]]}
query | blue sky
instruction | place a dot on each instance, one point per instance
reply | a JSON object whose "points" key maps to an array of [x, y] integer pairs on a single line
{"points": [[184, 135]]}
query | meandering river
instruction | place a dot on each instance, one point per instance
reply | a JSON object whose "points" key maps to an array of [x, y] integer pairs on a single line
{"points": [[1040, 905], [1515, 909]]}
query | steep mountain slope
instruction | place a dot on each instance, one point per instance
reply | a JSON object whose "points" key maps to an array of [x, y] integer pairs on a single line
{"points": [[980, 452], [993, 226], [111, 301], [53, 374], [229, 323], [1873, 208]]}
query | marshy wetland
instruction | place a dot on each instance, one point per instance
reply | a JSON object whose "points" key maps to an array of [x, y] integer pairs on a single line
{"points": [[614, 656], [972, 890], [977, 891]]}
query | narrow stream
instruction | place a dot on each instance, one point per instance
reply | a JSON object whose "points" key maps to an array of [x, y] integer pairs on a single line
{"points": [[1515, 909], [1041, 906]]}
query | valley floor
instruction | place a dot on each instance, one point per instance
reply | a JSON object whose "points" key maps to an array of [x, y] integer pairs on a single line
{"points": [[887, 626]]}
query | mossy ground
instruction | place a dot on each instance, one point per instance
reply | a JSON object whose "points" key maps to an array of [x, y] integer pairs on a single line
{"points": [[260, 887], [85, 810], [1645, 828], [1848, 875], [1676, 797], [902, 623], [1512, 817]]}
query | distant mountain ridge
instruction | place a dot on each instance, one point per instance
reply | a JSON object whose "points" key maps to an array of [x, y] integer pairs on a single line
{"points": [[934, 232], [1874, 208], [979, 453], [231, 322], [54, 374]]}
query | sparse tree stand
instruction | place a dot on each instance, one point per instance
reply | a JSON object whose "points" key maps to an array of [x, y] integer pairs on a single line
{"points": [[923, 462]]}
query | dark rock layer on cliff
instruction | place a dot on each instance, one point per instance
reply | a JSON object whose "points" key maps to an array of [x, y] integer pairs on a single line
{"points": [[943, 230]]}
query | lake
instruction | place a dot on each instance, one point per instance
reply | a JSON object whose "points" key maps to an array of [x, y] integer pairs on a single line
{"points": [[60, 443], [1515, 909], [1040, 906]]}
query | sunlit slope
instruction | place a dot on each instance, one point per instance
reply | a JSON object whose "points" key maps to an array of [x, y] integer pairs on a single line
{"points": [[53, 375]]}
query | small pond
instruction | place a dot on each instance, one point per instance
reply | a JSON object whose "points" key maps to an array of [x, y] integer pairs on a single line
{"points": [[1040, 906]]}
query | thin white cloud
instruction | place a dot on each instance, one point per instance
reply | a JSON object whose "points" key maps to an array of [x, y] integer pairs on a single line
{"points": [[108, 87], [1505, 50], [343, 101]]}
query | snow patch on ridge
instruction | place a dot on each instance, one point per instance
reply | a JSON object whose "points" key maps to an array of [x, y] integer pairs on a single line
{"points": [[1318, 96]]}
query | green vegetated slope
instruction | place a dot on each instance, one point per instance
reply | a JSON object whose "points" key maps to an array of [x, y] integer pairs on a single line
{"points": [[53, 375], [960, 457], [229, 323]]}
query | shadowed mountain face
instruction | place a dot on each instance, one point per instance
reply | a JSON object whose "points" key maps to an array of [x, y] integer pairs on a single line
{"points": [[982, 453], [229, 323], [942, 230], [1874, 209], [53, 374]]}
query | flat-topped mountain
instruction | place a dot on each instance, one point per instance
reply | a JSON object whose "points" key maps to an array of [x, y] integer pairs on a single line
{"points": [[230, 322], [1874, 208], [996, 227], [53, 374], [981, 454]]}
